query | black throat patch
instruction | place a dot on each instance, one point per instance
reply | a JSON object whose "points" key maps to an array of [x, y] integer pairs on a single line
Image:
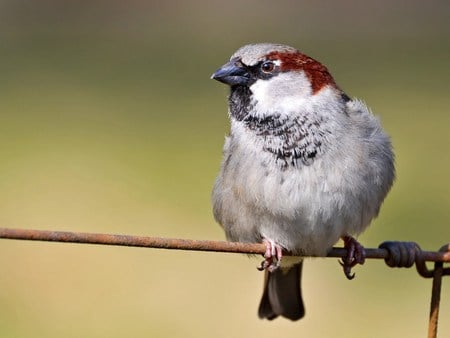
{"points": [[293, 139], [239, 102]]}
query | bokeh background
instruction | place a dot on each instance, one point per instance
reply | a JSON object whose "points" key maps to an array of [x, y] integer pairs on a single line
{"points": [[109, 123]]}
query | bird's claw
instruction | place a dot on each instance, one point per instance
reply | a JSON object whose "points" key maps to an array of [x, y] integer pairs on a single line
{"points": [[355, 255], [272, 256], [347, 270]]}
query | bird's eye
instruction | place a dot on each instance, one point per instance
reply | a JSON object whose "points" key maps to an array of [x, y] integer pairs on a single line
{"points": [[267, 66]]}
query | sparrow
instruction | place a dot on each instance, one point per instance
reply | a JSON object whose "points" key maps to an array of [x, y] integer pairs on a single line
{"points": [[304, 165]]}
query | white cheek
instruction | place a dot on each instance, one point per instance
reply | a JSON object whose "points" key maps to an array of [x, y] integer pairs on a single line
{"points": [[282, 93]]}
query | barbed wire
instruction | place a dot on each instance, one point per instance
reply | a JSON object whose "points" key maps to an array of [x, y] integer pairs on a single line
{"points": [[394, 253]]}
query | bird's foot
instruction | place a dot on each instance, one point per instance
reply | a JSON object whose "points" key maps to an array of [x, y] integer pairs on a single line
{"points": [[355, 255], [272, 256]]}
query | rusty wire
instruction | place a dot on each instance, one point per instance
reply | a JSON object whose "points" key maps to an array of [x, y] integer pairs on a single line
{"points": [[438, 272], [191, 244], [395, 254]]}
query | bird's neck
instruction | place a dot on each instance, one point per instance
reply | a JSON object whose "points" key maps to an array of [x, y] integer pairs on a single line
{"points": [[292, 139]]}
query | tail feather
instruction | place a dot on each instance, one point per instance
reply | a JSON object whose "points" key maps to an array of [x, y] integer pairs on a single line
{"points": [[282, 294]]}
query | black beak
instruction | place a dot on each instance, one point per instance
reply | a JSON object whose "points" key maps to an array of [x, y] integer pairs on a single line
{"points": [[233, 73]]}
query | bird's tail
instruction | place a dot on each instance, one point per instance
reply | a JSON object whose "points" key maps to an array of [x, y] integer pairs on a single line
{"points": [[282, 294]]}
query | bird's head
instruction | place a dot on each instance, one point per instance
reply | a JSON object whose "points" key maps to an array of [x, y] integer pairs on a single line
{"points": [[275, 77]]}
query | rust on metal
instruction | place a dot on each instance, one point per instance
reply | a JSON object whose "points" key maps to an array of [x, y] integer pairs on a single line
{"points": [[127, 240], [438, 272], [191, 244], [395, 254]]}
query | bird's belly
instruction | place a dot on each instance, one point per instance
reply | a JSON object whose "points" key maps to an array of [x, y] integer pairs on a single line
{"points": [[302, 209]]}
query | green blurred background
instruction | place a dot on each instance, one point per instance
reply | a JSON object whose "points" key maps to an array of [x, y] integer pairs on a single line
{"points": [[109, 123]]}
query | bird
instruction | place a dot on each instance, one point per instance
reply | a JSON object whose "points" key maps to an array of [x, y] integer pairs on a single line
{"points": [[304, 165]]}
